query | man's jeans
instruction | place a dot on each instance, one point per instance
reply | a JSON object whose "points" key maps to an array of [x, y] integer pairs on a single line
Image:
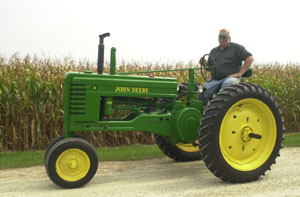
{"points": [[215, 85]]}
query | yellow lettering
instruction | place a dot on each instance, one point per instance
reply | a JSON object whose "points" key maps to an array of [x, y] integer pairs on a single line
{"points": [[122, 89], [117, 89], [144, 90], [132, 89]]}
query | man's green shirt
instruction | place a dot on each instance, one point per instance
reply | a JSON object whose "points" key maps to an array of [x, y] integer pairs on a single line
{"points": [[228, 61]]}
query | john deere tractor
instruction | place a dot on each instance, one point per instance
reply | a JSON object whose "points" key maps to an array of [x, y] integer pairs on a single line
{"points": [[238, 135]]}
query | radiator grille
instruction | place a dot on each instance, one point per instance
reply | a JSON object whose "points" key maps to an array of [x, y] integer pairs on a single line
{"points": [[78, 99]]}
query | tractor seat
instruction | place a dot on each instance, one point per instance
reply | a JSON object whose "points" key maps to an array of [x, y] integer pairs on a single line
{"points": [[248, 73]]}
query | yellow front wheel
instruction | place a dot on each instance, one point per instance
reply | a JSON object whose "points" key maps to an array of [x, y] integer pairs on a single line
{"points": [[241, 133], [71, 162]]}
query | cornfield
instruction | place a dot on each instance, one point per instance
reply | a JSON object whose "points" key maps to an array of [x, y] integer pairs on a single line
{"points": [[31, 99]]}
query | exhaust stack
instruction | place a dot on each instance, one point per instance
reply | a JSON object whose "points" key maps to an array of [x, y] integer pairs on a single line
{"points": [[101, 52]]}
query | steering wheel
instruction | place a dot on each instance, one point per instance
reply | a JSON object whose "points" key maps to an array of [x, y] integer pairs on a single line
{"points": [[204, 65]]}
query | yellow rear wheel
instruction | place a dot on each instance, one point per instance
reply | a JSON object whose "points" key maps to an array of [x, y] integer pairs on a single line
{"points": [[241, 133], [239, 149]]}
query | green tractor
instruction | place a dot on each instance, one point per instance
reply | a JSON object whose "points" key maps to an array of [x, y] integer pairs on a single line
{"points": [[238, 135]]}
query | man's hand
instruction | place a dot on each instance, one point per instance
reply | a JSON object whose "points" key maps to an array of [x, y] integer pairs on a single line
{"points": [[151, 75], [235, 75], [246, 66], [202, 61]]}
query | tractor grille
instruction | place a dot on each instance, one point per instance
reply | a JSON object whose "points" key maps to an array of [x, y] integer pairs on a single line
{"points": [[78, 99]]}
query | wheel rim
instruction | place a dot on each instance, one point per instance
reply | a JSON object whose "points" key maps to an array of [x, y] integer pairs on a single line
{"points": [[72, 165], [188, 147], [248, 116]]}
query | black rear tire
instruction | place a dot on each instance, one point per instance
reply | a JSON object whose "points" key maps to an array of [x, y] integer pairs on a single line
{"points": [[231, 153]]}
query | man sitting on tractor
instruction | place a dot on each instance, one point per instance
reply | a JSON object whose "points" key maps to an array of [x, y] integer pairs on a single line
{"points": [[226, 61]]}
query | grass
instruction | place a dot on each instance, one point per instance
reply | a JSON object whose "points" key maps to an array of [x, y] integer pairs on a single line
{"points": [[123, 153], [292, 140], [21, 159]]}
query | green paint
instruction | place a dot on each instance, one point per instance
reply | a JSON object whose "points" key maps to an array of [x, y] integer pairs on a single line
{"points": [[113, 61], [90, 100]]}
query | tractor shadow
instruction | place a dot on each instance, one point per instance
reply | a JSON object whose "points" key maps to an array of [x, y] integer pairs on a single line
{"points": [[158, 174]]}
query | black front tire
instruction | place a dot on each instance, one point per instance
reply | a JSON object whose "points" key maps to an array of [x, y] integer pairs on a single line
{"points": [[71, 162], [52, 143]]}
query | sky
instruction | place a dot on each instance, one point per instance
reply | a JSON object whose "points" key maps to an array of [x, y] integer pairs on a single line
{"points": [[149, 30]]}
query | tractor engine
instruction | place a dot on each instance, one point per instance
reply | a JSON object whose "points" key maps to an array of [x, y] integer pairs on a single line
{"points": [[92, 102]]}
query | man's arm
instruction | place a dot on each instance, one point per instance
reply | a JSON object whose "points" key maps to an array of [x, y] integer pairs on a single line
{"points": [[247, 64]]}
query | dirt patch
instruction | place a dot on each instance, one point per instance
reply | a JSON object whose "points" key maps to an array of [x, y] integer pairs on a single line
{"points": [[157, 177]]}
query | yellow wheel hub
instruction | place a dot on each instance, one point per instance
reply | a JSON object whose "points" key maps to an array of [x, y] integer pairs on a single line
{"points": [[188, 147], [72, 165], [248, 134], [245, 134]]}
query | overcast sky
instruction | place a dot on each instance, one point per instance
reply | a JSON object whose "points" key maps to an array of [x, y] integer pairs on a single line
{"points": [[154, 30]]}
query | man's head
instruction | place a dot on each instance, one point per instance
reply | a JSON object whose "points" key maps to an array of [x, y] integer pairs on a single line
{"points": [[224, 38]]}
